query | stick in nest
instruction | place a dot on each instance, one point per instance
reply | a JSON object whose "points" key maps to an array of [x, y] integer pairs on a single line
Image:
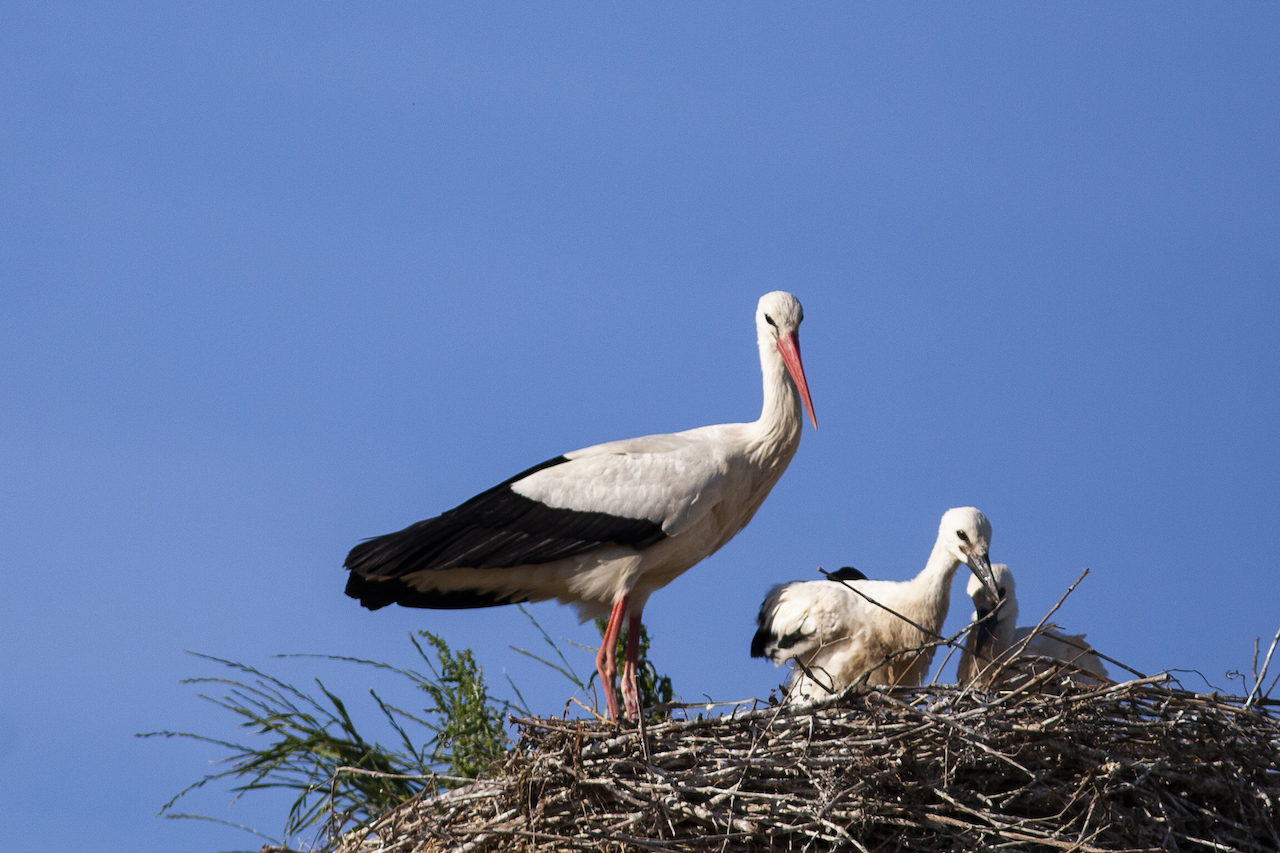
{"points": [[1136, 765]]}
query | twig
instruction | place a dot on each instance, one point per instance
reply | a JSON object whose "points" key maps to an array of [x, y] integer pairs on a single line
{"points": [[886, 607], [1253, 694], [1022, 644]]}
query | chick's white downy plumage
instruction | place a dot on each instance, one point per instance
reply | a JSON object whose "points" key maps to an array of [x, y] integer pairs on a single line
{"points": [[837, 636], [1000, 633]]}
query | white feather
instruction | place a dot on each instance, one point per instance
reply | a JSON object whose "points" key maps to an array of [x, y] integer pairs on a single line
{"points": [[1006, 634], [700, 486], [672, 480], [840, 637]]}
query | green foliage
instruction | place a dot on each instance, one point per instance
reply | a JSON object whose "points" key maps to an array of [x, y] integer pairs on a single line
{"points": [[654, 689], [341, 779], [470, 736], [314, 748]]}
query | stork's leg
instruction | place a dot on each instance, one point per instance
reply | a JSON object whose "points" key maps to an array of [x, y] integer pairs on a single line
{"points": [[630, 690], [606, 658]]}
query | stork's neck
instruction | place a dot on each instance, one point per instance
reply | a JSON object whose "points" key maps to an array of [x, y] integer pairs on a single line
{"points": [[781, 416], [1006, 624], [933, 585]]}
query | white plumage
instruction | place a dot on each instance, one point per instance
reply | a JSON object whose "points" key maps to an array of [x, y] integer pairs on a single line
{"points": [[603, 527], [989, 641], [837, 636]]}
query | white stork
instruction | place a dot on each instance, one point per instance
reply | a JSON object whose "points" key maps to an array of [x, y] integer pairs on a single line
{"points": [[603, 527], [836, 635], [993, 637]]}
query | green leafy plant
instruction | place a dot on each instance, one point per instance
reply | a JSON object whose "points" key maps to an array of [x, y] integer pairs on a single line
{"points": [[315, 749], [654, 689], [340, 778]]}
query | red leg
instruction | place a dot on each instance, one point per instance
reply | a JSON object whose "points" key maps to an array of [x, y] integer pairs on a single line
{"points": [[631, 690], [606, 658]]}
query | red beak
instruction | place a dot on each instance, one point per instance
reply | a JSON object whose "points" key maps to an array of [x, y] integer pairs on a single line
{"points": [[789, 349]]}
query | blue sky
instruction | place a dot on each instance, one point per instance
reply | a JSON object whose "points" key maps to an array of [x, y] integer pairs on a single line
{"points": [[279, 278]]}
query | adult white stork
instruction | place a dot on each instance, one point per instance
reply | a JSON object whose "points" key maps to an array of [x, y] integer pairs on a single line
{"points": [[603, 527], [994, 636], [836, 635]]}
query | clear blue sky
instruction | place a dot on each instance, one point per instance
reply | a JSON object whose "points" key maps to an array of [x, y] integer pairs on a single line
{"points": [[280, 277]]}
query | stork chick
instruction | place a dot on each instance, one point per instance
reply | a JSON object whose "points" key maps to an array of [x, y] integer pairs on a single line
{"points": [[999, 633], [836, 636]]}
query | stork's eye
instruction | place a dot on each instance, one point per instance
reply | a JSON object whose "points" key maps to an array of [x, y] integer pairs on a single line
{"points": [[963, 536], [769, 320]]}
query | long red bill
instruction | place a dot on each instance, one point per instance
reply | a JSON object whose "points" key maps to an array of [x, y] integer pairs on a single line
{"points": [[789, 349]]}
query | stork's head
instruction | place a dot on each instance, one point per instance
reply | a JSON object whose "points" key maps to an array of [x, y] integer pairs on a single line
{"points": [[984, 602], [778, 319], [966, 533], [999, 628]]}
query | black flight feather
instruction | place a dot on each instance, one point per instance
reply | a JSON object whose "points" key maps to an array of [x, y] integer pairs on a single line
{"points": [[765, 642], [376, 594], [760, 641], [496, 529], [764, 637], [848, 573]]}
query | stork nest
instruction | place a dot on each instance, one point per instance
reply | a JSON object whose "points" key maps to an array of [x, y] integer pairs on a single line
{"points": [[1047, 765]]}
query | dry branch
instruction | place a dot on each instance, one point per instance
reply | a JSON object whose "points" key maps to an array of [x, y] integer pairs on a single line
{"points": [[1132, 766]]}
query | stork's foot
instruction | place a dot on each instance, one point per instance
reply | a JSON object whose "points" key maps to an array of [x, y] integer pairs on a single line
{"points": [[631, 692], [606, 658]]}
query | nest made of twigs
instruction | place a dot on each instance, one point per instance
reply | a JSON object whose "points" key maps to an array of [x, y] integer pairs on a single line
{"points": [[1048, 765]]}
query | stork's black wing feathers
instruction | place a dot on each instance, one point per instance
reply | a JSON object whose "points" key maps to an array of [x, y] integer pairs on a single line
{"points": [[766, 643], [848, 573], [764, 635], [376, 594], [494, 530], [760, 641]]}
